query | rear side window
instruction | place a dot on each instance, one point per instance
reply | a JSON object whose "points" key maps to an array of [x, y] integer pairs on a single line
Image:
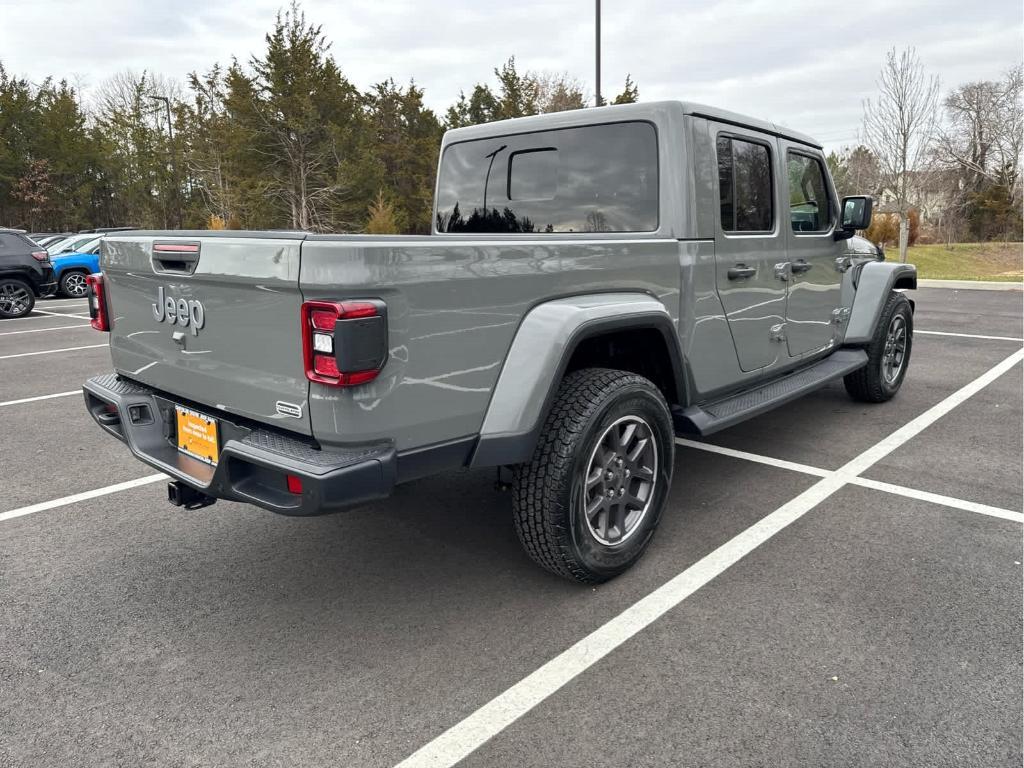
{"points": [[744, 185], [600, 178], [12, 243], [810, 206]]}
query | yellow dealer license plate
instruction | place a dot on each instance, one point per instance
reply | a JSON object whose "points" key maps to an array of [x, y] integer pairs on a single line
{"points": [[197, 435]]}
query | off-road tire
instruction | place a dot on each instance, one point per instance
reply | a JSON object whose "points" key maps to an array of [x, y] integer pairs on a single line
{"points": [[27, 299], [548, 491], [869, 384]]}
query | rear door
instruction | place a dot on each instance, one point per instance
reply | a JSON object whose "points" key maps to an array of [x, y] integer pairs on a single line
{"points": [[213, 320], [749, 243], [815, 272]]}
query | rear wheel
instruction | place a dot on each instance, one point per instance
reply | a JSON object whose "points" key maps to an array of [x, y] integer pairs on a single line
{"points": [[16, 298], [888, 354], [72, 285], [588, 502]]}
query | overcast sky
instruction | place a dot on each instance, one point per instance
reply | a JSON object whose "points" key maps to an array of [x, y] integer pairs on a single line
{"points": [[806, 65]]}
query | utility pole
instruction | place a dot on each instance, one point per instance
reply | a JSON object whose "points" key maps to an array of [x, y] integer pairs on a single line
{"points": [[597, 51], [174, 158]]}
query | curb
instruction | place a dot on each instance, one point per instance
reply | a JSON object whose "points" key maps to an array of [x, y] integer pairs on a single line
{"points": [[971, 285]]}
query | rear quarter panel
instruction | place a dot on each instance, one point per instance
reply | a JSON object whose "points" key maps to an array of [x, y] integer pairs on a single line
{"points": [[453, 308]]}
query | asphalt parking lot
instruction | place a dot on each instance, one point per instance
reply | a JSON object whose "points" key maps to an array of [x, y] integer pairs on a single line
{"points": [[833, 584]]}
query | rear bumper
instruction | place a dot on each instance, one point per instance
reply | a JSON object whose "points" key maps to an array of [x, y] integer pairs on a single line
{"points": [[253, 462], [47, 283]]}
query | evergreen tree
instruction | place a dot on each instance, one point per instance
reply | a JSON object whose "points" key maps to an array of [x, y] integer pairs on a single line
{"points": [[18, 113], [518, 94], [296, 111], [400, 141], [382, 219], [630, 93], [481, 107]]}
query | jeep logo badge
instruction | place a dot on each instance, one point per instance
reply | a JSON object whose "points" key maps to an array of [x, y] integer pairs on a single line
{"points": [[186, 313]]}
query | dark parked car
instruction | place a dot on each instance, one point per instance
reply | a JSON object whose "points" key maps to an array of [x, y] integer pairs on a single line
{"points": [[25, 274]]}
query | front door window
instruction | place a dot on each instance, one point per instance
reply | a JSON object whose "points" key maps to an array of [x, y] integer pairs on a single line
{"points": [[814, 287]]}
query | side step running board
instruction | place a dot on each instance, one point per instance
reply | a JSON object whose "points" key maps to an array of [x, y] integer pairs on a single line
{"points": [[711, 417]]}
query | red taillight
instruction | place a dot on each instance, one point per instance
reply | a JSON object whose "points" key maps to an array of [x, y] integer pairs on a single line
{"points": [[326, 365], [353, 309], [321, 338], [98, 317], [294, 484], [323, 319], [40, 255]]}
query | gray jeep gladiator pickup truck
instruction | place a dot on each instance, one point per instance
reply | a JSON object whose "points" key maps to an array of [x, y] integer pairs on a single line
{"points": [[597, 282]]}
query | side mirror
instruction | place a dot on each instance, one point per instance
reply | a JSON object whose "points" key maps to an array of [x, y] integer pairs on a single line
{"points": [[856, 212]]}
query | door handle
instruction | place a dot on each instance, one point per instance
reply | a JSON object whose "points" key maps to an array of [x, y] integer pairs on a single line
{"points": [[741, 272], [800, 266]]}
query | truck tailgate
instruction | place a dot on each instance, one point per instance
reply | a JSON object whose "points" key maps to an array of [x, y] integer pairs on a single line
{"points": [[214, 320]]}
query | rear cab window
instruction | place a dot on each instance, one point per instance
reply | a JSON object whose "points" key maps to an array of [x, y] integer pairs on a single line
{"points": [[599, 178], [810, 204]]}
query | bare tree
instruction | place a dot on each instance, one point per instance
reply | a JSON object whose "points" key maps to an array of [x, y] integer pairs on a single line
{"points": [[558, 91], [983, 136], [899, 126]]}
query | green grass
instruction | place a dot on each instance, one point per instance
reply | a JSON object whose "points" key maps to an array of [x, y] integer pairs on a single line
{"points": [[965, 261]]}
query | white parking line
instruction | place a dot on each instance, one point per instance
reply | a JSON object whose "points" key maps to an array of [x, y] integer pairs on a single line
{"points": [[84, 496], [36, 314], [503, 710], [925, 496], [51, 351], [935, 498], [967, 335], [58, 314], [41, 330], [884, 447], [40, 397], [899, 490], [806, 469]]}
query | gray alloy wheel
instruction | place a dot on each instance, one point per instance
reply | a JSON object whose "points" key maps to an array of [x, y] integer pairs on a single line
{"points": [[587, 503], [73, 285], [16, 299], [619, 483], [895, 349], [888, 353]]}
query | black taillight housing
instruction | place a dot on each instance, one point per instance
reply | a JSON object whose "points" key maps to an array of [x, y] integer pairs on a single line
{"points": [[98, 314], [344, 343]]}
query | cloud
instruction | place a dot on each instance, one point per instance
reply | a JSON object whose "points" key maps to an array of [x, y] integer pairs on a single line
{"points": [[806, 66]]}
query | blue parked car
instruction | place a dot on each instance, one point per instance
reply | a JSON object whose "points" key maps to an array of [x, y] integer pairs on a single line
{"points": [[70, 269]]}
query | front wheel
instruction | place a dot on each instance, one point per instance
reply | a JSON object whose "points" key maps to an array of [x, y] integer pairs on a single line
{"points": [[588, 502], [888, 354], [16, 298]]}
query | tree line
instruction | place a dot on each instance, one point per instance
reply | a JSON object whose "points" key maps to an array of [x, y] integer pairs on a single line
{"points": [[283, 141], [946, 163], [286, 141]]}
